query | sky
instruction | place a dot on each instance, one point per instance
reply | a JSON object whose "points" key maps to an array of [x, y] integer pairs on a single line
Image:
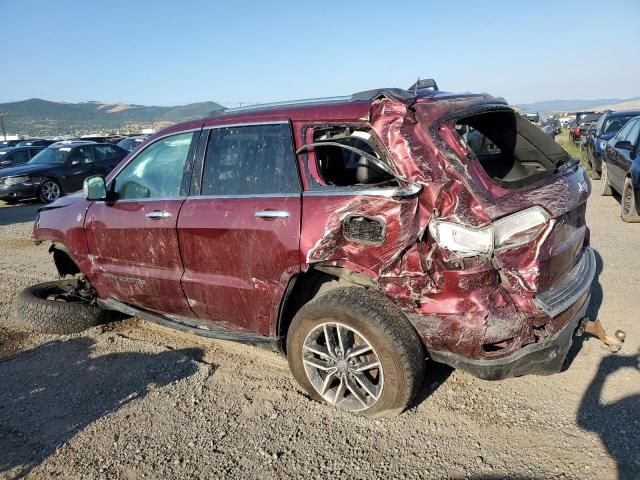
{"points": [[170, 53]]}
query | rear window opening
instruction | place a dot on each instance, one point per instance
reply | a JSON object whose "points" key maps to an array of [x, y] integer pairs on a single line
{"points": [[342, 167], [511, 150]]}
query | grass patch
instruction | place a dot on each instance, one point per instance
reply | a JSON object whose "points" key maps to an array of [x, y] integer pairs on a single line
{"points": [[572, 148]]}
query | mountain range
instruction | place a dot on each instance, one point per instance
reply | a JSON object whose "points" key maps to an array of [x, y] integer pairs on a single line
{"points": [[577, 105], [37, 117]]}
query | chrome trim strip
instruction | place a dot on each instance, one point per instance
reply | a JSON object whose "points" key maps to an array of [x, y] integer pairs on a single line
{"points": [[286, 103], [249, 195], [247, 124], [371, 192], [569, 288], [152, 199]]}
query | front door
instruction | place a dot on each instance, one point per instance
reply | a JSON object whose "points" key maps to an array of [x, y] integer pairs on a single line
{"points": [[133, 238], [620, 158], [240, 235]]}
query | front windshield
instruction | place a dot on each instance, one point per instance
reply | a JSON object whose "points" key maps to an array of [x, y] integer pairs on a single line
{"points": [[614, 124], [57, 155]]}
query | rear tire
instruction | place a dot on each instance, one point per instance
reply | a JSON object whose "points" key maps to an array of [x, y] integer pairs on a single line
{"points": [[628, 207], [354, 319], [35, 310], [605, 187]]}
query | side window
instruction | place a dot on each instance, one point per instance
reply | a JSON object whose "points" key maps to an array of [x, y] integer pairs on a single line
{"points": [[34, 151], [81, 155], [157, 171], [19, 157], [622, 134], [346, 159], [256, 159], [632, 135], [105, 154]]}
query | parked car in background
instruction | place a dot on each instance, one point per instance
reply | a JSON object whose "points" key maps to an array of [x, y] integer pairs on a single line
{"points": [[621, 169], [583, 121], [9, 143], [389, 238], [11, 157], [540, 120], [604, 130], [35, 142], [131, 143], [114, 139], [58, 169]]}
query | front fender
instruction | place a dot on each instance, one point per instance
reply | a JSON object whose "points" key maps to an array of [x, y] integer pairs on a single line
{"points": [[64, 226]]}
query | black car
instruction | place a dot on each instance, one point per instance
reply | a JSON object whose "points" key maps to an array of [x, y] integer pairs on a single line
{"points": [[621, 169], [607, 126], [12, 157], [35, 142], [9, 143], [57, 170]]}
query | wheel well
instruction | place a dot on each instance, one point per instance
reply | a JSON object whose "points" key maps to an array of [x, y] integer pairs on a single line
{"points": [[62, 260], [306, 286]]}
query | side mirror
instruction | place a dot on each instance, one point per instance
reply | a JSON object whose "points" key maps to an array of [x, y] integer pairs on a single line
{"points": [[95, 188], [624, 145], [74, 162]]}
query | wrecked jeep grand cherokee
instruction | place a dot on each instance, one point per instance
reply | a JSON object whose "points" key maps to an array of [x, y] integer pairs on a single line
{"points": [[359, 235]]}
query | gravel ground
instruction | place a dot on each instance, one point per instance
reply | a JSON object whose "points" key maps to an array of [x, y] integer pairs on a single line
{"points": [[133, 400]]}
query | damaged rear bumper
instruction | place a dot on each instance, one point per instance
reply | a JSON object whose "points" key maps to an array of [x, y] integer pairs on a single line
{"points": [[569, 298], [543, 358]]}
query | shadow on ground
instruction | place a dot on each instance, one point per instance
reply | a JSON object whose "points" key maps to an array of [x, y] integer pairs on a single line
{"points": [[50, 393], [20, 213], [616, 423]]}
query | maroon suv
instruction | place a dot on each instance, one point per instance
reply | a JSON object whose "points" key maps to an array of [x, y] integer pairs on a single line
{"points": [[360, 235]]}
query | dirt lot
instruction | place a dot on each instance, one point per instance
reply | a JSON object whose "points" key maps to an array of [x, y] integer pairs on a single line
{"points": [[133, 400]]}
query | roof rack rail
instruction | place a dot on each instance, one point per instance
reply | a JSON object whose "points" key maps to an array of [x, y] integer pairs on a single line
{"points": [[287, 103], [397, 93]]}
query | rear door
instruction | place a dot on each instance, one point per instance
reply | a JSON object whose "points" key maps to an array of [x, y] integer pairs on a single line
{"points": [[240, 231], [133, 239], [78, 166]]}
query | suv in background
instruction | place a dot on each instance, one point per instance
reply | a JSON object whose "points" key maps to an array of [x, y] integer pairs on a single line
{"points": [[607, 126], [358, 235], [584, 120], [58, 169], [12, 157]]}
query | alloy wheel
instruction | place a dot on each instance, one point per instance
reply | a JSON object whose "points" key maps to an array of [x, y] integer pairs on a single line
{"points": [[627, 201], [50, 191], [342, 366]]}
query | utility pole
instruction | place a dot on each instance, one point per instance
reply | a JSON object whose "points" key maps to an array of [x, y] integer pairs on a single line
{"points": [[4, 133]]}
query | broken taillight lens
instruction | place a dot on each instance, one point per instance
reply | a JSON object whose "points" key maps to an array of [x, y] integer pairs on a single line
{"points": [[508, 232]]}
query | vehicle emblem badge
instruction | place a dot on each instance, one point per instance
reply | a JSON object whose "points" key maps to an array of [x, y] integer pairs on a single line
{"points": [[582, 187]]}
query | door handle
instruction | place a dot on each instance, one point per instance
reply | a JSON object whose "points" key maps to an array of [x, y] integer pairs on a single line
{"points": [[158, 214], [272, 214]]}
